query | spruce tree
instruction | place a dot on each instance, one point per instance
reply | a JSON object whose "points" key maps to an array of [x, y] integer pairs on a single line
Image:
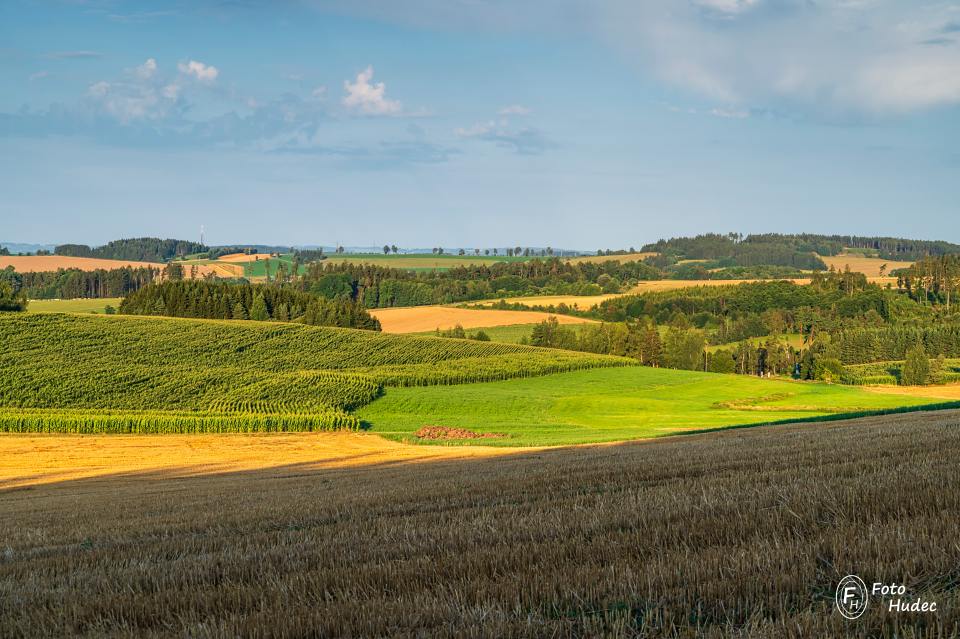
{"points": [[258, 311], [239, 312]]}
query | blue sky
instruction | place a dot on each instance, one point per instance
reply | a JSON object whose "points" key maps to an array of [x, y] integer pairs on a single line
{"points": [[477, 122]]}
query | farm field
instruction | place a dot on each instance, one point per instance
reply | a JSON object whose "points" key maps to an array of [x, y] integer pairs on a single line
{"points": [[613, 405], [31, 460], [421, 319], [581, 302], [36, 263], [95, 305], [421, 261], [792, 339], [947, 392], [88, 374], [509, 334], [608, 540], [869, 266], [598, 259]]}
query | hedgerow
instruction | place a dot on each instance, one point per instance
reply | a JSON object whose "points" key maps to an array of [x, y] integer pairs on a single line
{"points": [[113, 422]]}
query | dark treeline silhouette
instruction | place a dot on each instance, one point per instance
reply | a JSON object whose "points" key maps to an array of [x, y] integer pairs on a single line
{"points": [[377, 286], [142, 249], [218, 300]]}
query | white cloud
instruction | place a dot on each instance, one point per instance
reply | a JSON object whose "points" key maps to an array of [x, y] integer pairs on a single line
{"points": [[369, 98], [199, 70], [515, 109], [320, 93], [39, 75], [146, 70]]}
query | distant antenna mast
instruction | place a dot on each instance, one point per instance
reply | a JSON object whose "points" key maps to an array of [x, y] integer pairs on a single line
{"points": [[201, 235]]}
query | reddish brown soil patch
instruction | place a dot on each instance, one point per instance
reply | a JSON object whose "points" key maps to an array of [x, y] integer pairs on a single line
{"points": [[443, 432]]}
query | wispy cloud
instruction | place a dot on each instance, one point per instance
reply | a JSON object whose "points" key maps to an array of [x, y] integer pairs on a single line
{"points": [[515, 109], [525, 140], [826, 58], [72, 55]]}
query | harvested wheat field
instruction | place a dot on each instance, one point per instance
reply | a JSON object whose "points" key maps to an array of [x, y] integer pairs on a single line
{"points": [[596, 259], [581, 302], [240, 258], [417, 319], [742, 533], [671, 285], [869, 266], [43, 459], [946, 391], [39, 263]]}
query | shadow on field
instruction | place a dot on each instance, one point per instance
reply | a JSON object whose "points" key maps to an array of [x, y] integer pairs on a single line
{"points": [[740, 532]]}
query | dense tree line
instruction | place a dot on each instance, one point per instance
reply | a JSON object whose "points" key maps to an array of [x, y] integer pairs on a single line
{"points": [[888, 343], [716, 246], [12, 296], [378, 287], [733, 250], [932, 280], [74, 283], [142, 249], [217, 300], [888, 248]]}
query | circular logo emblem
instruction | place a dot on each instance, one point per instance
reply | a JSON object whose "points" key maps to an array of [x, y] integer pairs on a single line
{"points": [[851, 596]]}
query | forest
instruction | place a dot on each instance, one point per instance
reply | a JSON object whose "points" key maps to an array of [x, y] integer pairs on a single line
{"points": [[220, 300], [782, 249], [74, 283], [142, 249]]}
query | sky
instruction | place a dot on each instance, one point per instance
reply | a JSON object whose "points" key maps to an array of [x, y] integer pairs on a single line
{"points": [[580, 124]]}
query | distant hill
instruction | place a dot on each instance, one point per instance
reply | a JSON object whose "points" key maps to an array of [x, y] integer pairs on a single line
{"points": [[17, 247], [744, 250], [141, 249]]}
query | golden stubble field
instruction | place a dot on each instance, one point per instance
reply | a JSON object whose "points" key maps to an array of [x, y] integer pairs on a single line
{"points": [[418, 319], [38, 263], [743, 533], [869, 266]]}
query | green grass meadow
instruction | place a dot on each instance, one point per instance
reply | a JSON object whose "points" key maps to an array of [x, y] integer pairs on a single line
{"points": [[73, 306], [613, 404]]}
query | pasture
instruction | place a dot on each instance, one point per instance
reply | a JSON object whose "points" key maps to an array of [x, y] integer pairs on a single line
{"points": [[613, 405], [81, 305], [508, 334], [421, 319], [741, 533]]}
